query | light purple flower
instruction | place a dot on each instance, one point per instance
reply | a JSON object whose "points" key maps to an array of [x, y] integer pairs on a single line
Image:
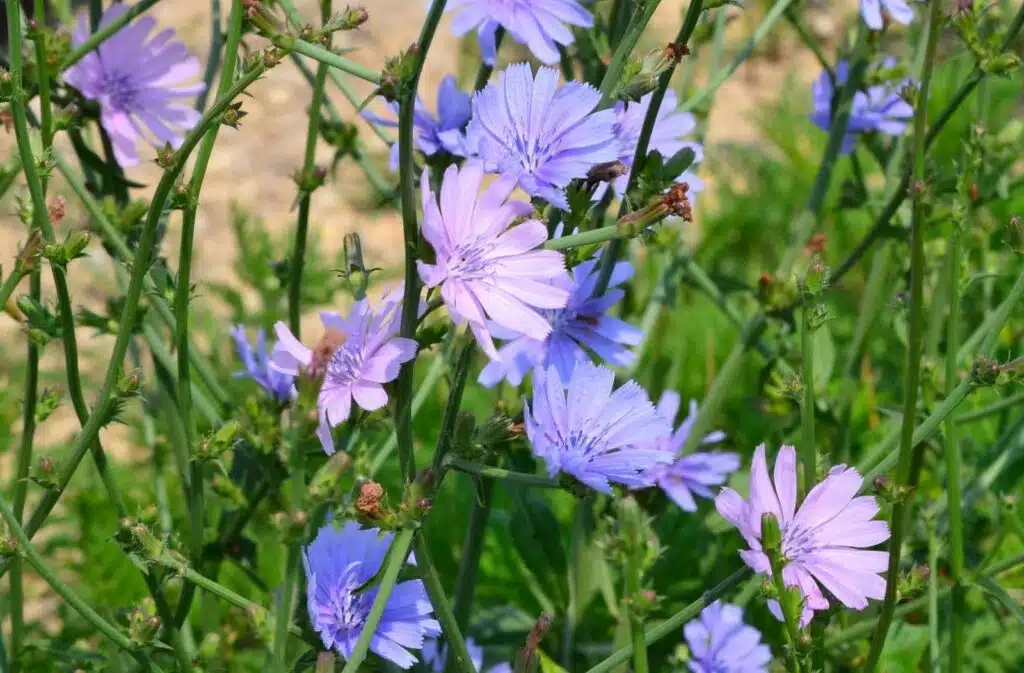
{"points": [[445, 132], [356, 356], [898, 10], [720, 642], [576, 330], [539, 133], [435, 659], [338, 564], [539, 24], [136, 82], [670, 127], [880, 108], [695, 472], [257, 366], [823, 541], [592, 433], [485, 269]]}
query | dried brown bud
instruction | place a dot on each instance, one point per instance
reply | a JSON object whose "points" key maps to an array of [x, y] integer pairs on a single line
{"points": [[368, 502], [815, 244], [58, 209], [880, 482], [606, 172], [678, 202], [676, 51], [46, 465]]}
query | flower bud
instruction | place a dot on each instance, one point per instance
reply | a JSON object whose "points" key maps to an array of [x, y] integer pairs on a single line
{"points": [[771, 534], [166, 157], [326, 483]]}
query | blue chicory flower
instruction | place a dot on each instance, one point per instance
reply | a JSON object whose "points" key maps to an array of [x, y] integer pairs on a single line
{"points": [[592, 433], [257, 366], [879, 108], [694, 473], [898, 10], [576, 330], [444, 132], [338, 564], [539, 24], [356, 357], [720, 642], [136, 81], [823, 541], [489, 274], [542, 134]]}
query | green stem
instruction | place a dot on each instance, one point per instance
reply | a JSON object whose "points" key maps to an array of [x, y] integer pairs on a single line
{"points": [[951, 450], [635, 621], [811, 42], [410, 236], [111, 632], [21, 472], [921, 432], [985, 337], [472, 549], [104, 33], [451, 409], [308, 166], [43, 74], [1011, 402], [130, 311], [10, 284], [182, 296], [792, 630], [908, 449], [423, 392], [934, 647], [723, 384], [318, 53], [611, 232], [461, 465], [612, 253], [672, 625], [456, 650], [213, 55], [809, 451], [484, 72], [396, 556]]}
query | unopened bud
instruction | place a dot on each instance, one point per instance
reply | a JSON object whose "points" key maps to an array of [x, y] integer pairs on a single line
{"points": [[166, 157], [771, 534], [233, 115]]}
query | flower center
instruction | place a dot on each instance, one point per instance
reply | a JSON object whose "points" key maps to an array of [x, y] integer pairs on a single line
{"points": [[467, 262], [797, 540], [583, 444], [349, 608], [345, 364], [121, 89]]}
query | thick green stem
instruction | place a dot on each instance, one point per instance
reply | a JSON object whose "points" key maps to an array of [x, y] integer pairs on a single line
{"points": [[451, 409], [318, 53], [397, 554], [951, 449], [472, 548], [456, 649], [305, 200], [461, 465], [213, 55], [792, 630], [32, 557], [410, 236], [672, 625], [636, 622], [809, 451], [1011, 402], [908, 449]]}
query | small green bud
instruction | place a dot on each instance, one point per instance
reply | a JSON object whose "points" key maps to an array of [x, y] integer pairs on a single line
{"points": [[233, 115], [1000, 64], [771, 534], [229, 490], [166, 157], [48, 403]]}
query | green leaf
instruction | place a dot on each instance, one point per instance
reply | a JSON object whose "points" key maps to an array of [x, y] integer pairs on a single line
{"points": [[548, 665], [904, 648], [993, 589]]}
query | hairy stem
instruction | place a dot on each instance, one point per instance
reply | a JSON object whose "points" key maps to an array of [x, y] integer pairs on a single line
{"points": [[461, 465], [905, 475]]}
